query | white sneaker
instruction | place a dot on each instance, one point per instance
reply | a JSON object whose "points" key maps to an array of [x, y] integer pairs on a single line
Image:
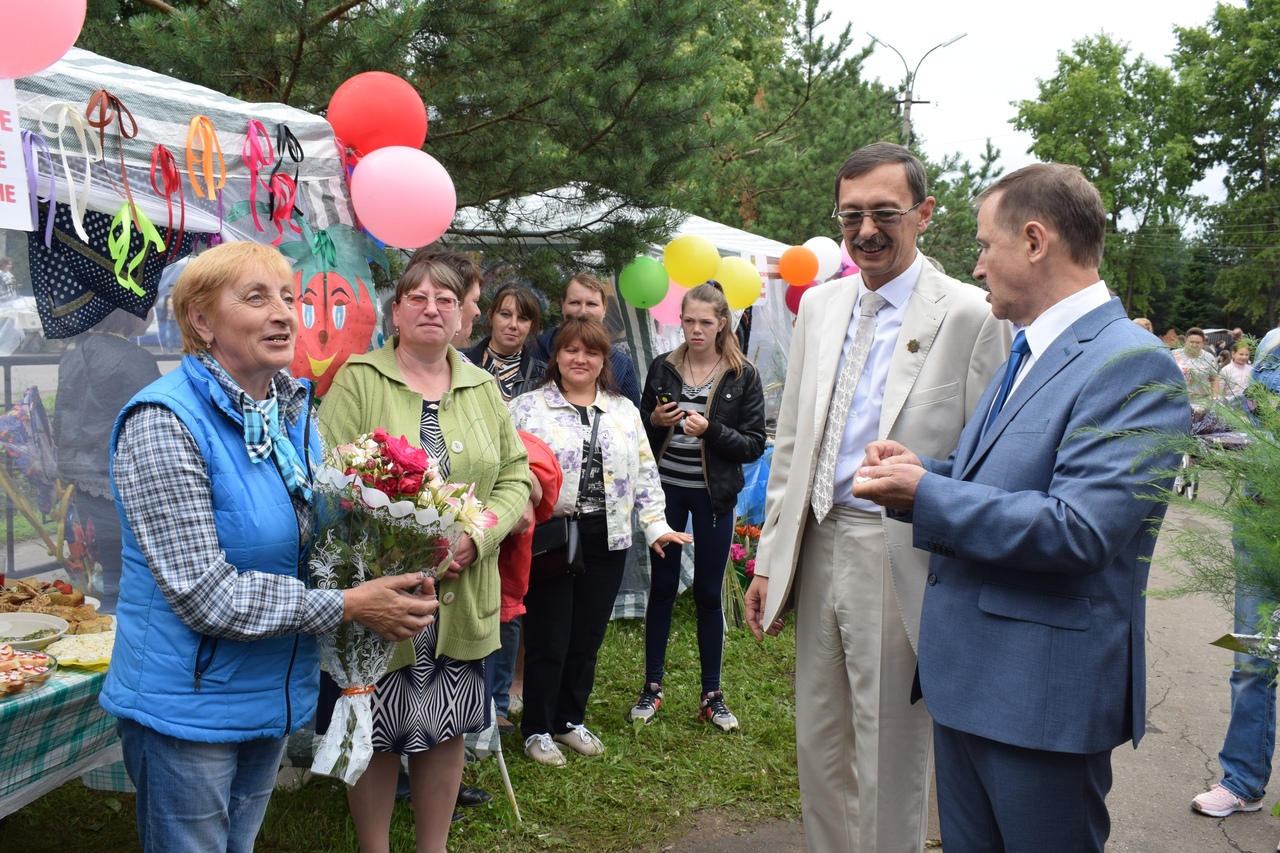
{"points": [[581, 741], [1219, 802], [541, 749]]}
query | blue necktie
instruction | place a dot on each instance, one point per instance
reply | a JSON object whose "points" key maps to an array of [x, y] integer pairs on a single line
{"points": [[1017, 354]]}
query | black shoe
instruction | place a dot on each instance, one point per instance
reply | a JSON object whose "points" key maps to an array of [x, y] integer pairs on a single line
{"points": [[469, 796], [457, 816], [402, 788]]}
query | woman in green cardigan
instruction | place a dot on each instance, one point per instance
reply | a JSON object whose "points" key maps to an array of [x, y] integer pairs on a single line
{"points": [[417, 385]]}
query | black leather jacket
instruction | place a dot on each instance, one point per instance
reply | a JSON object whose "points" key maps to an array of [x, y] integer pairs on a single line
{"points": [[735, 431], [532, 368]]}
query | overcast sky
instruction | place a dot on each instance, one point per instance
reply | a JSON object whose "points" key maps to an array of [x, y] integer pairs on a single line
{"points": [[1008, 47]]}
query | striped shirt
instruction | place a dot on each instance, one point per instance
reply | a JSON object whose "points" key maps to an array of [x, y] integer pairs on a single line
{"points": [[681, 462], [431, 439]]}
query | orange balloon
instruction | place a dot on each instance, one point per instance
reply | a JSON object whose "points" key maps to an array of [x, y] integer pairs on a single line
{"points": [[798, 266]]}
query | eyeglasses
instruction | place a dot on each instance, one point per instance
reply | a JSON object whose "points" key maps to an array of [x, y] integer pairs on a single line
{"points": [[851, 220], [445, 303]]}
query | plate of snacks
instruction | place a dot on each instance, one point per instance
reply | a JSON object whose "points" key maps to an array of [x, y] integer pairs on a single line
{"points": [[51, 599], [22, 671], [84, 651], [30, 631]]}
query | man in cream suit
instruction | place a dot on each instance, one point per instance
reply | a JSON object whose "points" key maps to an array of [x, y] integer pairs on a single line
{"points": [[928, 346]]}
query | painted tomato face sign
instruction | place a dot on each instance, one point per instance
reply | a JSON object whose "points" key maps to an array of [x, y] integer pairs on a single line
{"points": [[332, 325]]}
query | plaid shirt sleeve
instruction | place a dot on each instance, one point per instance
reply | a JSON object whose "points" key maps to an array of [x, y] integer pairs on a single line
{"points": [[165, 489]]}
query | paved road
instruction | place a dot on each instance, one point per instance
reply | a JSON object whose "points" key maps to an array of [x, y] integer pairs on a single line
{"points": [[1188, 707]]}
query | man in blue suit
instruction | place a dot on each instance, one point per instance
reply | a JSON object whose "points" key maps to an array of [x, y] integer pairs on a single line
{"points": [[1031, 658]]}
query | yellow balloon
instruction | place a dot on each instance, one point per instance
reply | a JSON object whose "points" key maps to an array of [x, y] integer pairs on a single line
{"points": [[741, 282], [690, 260]]}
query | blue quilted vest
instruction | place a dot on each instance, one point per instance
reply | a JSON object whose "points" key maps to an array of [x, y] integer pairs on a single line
{"points": [[163, 674]]}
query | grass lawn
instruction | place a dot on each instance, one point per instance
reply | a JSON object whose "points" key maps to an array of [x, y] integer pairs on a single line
{"points": [[644, 791]]}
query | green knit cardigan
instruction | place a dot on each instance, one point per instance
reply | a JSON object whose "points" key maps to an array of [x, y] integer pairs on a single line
{"points": [[484, 449]]}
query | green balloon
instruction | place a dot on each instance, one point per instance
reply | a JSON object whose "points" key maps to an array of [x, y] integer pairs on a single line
{"points": [[643, 282]]}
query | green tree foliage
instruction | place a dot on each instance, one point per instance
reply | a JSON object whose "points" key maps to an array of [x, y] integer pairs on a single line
{"points": [[1123, 121], [788, 126], [525, 95], [1233, 65], [955, 183]]}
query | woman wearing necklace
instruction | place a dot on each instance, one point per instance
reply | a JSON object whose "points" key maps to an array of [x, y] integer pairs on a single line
{"points": [[504, 352], [566, 615], [703, 407], [437, 691]]}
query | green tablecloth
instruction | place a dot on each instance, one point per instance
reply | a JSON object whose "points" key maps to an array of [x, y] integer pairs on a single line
{"points": [[52, 735]]}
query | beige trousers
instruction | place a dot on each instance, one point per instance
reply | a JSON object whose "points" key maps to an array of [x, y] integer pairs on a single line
{"points": [[864, 751]]}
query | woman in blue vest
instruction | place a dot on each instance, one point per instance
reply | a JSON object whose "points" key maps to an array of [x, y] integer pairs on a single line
{"points": [[216, 659]]}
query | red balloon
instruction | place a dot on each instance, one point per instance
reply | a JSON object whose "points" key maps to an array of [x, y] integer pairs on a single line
{"points": [[376, 110], [793, 296]]}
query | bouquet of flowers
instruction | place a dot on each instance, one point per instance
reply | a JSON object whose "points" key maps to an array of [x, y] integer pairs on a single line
{"points": [[383, 509], [739, 572]]}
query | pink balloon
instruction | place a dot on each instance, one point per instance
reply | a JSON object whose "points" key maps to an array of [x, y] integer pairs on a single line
{"points": [[667, 311], [34, 35], [403, 196], [847, 266]]}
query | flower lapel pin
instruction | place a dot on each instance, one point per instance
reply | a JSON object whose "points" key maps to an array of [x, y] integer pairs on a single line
{"points": [[913, 346]]}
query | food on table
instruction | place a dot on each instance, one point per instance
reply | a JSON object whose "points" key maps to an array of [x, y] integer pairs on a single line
{"points": [[52, 599], [83, 649], [34, 635], [21, 669]]}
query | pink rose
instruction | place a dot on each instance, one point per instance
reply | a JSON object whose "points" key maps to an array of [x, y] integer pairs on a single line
{"points": [[410, 484], [410, 458], [737, 552], [379, 435]]}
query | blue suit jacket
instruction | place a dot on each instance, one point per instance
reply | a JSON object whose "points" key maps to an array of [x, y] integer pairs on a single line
{"points": [[1040, 531]]}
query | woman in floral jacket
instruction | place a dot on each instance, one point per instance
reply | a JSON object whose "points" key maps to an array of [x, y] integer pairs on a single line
{"points": [[566, 616]]}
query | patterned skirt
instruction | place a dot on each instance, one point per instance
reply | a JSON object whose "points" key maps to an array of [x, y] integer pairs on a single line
{"points": [[419, 706]]}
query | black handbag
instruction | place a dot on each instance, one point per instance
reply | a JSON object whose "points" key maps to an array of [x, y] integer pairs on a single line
{"points": [[557, 547]]}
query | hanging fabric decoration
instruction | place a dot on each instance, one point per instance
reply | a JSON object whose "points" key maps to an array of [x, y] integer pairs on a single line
{"points": [[163, 161], [202, 136], [257, 152], [67, 116], [104, 110], [30, 142], [119, 237], [284, 196], [287, 144], [74, 281]]}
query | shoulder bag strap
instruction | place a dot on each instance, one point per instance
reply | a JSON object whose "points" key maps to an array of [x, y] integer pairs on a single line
{"points": [[591, 452]]}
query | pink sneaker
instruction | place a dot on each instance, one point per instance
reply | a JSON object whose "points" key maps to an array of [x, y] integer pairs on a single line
{"points": [[1219, 802]]}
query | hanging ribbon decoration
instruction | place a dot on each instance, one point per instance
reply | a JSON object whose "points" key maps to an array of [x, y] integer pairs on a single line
{"points": [[104, 110], [68, 116], [202, 135], [284, 195], [118, 239], [30, 142], [163, 161], [255, 157], [286, 144]]}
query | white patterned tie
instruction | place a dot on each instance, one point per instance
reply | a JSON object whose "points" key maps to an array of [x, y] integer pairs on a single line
{"points": [[824, 482]]}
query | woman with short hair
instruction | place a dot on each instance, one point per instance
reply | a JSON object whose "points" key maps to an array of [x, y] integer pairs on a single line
{"points": [[216, 659]]}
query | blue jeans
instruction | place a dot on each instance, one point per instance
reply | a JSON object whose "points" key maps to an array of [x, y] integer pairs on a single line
{"points": [[504, 664], [1251, 732], [198, 797]]}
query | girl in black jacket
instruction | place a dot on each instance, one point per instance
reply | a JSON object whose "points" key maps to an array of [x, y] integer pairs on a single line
{"points": [[703, 408]]}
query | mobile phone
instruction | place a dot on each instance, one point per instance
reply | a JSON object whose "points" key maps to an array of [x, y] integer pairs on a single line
{"points": [[664, 399]]}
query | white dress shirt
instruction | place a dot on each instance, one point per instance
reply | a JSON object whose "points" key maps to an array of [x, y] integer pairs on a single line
{"points": [[863, 425], [1055, 320]]}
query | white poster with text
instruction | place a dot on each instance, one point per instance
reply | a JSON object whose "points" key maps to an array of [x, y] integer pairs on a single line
{"points": [[15, 203]]}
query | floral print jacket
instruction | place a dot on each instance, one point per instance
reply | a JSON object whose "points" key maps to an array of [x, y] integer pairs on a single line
{"points": [[630, 470]]}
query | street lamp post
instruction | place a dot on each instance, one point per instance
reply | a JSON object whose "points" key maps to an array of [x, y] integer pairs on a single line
{"points": [[909, 84]]}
